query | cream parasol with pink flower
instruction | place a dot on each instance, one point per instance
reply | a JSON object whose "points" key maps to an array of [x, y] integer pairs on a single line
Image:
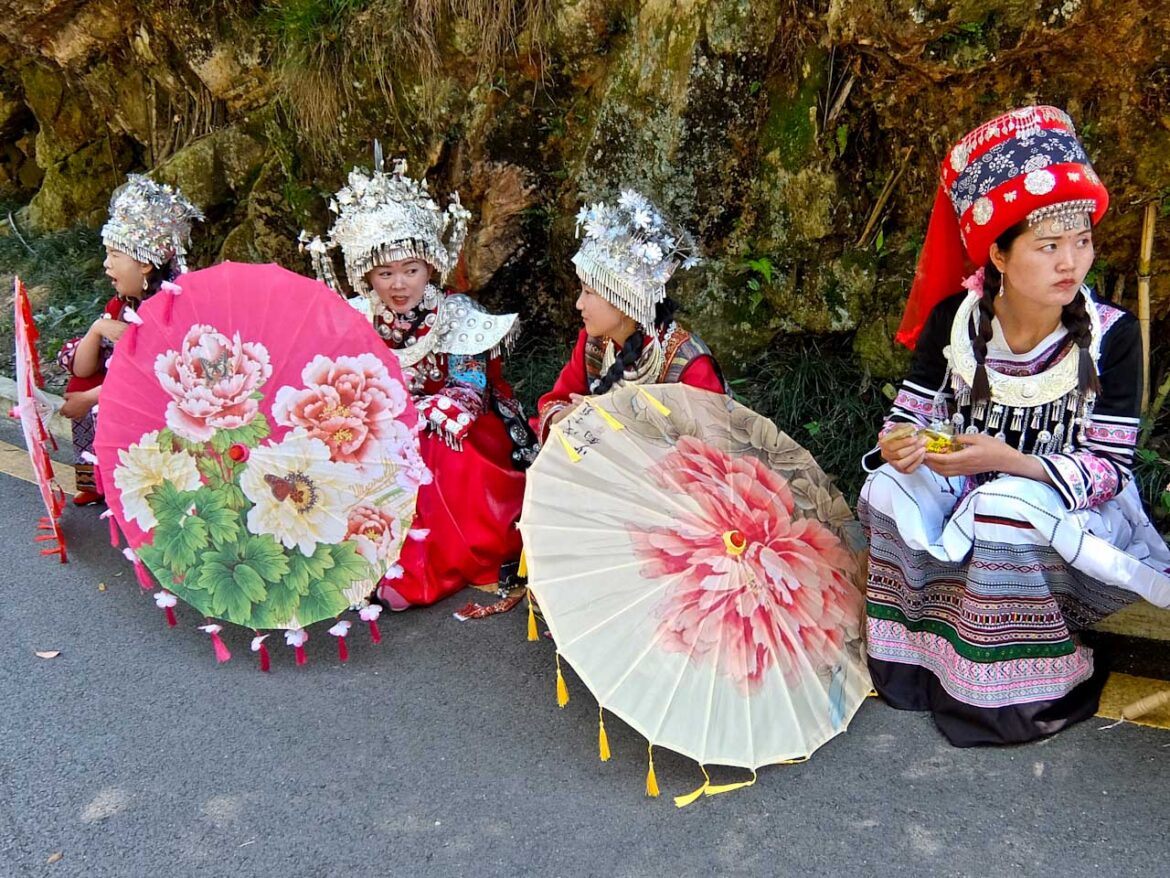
{"points": [[697, 569], [259, 451]]}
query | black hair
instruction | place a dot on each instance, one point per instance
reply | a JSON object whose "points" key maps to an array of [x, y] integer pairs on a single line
{"points": [[157, 276], [1074, 316], [628, 356]]}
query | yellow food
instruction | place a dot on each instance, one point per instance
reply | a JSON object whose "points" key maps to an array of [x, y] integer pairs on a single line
{"points": [[939, 443]]}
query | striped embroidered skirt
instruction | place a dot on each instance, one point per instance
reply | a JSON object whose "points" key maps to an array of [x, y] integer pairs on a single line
{"points": [[974, 600]]}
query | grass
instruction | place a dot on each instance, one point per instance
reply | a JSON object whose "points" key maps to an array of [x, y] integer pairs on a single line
{"points": [[63, 273], [818, 393], [533, 367], [328, 49]]}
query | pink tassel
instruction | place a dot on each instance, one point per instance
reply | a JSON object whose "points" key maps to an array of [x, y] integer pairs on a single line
{"points": [[340, 630], [143, 575], [113, 528], [221, 650], [167, 601], [168, 309], [259, 647], [370, 614], [296, 638]]}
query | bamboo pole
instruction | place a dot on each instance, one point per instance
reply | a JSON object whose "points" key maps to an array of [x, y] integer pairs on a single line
{"points": [[1143, 298], [1145, 705]]}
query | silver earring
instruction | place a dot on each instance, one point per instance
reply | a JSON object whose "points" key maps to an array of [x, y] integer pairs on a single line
{"points": [[145, 283], [1001, 283]]}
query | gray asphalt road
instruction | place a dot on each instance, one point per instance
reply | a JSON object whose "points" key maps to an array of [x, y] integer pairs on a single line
{"points": [[442, 752]]}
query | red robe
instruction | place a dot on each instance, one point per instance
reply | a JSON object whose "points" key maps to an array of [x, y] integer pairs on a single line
{"points": [[469, 509], [688, 361], [113, 311]]}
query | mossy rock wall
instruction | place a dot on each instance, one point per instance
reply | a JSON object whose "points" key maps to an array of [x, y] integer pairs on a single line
{"points": [[798, 140]]}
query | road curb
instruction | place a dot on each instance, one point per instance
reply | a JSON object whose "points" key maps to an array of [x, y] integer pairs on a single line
{"points": [[60, 427]]}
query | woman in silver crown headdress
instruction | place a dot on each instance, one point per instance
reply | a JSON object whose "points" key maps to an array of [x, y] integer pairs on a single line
{"points": [[146, 239], [629, 252], [395, 238], [1002, 510]]}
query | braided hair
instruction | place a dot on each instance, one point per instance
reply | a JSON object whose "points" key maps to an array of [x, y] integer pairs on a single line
{"points": [[628, 356], [1073, 316]]}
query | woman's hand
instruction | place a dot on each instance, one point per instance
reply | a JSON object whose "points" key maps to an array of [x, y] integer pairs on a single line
{"points": [[978, 454], [903, 449], [108, 329], [575, 399], [79, 404]]}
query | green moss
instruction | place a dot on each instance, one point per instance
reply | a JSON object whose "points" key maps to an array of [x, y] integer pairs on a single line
{"points": [[790, 130], [78, 188]]}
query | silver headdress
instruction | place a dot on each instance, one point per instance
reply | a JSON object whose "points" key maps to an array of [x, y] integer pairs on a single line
{"points": [[383, 218], [629, 252], [151, 222]]}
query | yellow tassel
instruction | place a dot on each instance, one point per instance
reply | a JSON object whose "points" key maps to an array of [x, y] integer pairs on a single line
{"points": [[614, 423], [651, 778], [602, 737], [683, 801], [532, 635], [562, 689], [793, 761], [574, 456], [662, 410], [716, 789], [522, 568]]}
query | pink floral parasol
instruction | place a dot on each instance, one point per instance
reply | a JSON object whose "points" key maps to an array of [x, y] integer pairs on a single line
{"points": [[697, 569], [33, 411], [259, 449]]}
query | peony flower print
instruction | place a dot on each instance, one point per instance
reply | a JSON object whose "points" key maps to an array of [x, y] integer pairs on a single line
{"points": [[754, 587], [349, 403], [142, 468], [377, 533], [213, 382], [410, 470], [302, 497]]}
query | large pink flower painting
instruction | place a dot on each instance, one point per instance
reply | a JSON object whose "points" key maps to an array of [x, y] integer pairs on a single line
{"points": [[213, 381], [754, 585], [349, 403]]}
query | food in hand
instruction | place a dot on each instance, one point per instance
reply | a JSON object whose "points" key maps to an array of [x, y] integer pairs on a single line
{"points": [[938, 442]]}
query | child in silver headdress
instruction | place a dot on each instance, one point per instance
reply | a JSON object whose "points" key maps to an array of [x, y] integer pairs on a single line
{"points": [[395, 239], [146, 239]]}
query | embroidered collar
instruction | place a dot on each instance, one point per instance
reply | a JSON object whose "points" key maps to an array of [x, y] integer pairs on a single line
{"points": [[1016, 390]]}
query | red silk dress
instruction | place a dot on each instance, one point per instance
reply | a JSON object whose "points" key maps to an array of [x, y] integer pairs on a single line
{"points": [[465, 520], [85, 427], [688, 361]]}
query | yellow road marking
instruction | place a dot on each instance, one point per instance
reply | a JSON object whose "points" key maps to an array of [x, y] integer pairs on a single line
{"points": [[1122, 689], [1139, 620], [14, 461]]}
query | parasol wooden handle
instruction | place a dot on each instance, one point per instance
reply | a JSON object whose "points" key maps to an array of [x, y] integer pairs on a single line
{"points": [[1145, 705]]}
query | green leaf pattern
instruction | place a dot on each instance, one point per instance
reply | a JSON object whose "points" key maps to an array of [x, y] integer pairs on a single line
{"points": [[201, 548]]}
